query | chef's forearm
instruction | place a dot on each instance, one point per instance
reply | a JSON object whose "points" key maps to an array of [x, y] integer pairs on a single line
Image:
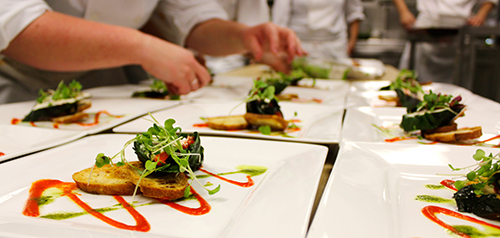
{"points": [[401, 6], [353, 31], [217, 37], [485, 9], [59, 42]]}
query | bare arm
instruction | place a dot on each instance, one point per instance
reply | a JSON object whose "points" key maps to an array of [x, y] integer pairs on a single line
{"points": [[219, 37], [353, 36], [481, 15], [406, 18], [60, 42]]}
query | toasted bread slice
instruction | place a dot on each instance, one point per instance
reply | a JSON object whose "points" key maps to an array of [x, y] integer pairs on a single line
{"points": [[110, 180], [287, 96], [451, 127], [84, 104], [168, 186], [78, 116], [71, 118], [276, 122], [461, 134], [236, 122]]}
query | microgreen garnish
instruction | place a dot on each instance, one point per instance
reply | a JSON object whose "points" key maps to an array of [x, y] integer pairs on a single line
{"points": [[158, 86], [407, 79], [260, 91], [265, 130], [481, 175], [62, 91], [156, 140], [434, 101]]}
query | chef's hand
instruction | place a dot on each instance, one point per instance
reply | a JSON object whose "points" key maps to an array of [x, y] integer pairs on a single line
{"points": [[174, 65], [477, 20], [268, 42], [407, 20]]}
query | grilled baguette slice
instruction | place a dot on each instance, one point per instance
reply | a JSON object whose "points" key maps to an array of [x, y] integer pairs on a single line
{"points": [[169, 186], [276, 122], [461, 134], [78, 116], [236, 122], [109, 180]]}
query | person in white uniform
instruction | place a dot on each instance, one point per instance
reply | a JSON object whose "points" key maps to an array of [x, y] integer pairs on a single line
{"points": [[328, 29], [43, 42], [248, 12], [436, 61]]}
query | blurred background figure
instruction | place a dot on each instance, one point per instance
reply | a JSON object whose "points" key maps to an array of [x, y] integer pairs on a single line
{"points": [[248, 12], [328, 29], [436, 61]]}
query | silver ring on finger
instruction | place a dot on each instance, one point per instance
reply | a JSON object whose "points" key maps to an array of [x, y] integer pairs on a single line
{"points": [[194, 82]]}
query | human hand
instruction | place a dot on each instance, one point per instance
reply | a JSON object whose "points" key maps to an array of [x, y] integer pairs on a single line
{"points": [[407, 20], [270, 40], [476, 20], [174, 65]]}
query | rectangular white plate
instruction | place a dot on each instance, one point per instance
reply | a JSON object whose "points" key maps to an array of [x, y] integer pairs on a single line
{"points": [[367, 94], [372, 188], [237, 88], [279, 204], [20, 140], [359, 121], [127, 108], [319, 123]]}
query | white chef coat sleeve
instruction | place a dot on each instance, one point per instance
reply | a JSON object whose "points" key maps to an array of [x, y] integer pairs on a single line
{"points": [[354, 10], [15, 15], [176, 18], [492, 1]]}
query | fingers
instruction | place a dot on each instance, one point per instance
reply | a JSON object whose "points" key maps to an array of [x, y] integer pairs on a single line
{"points": [[255, 47], [271, 33]]}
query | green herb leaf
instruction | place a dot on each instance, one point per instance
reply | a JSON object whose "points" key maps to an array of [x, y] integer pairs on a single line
{"points": [[214, 191], [102, 160], [479, 155], [265, 130]]}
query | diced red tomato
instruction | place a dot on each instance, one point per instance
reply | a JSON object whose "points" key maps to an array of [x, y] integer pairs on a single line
{"points": [[187, 142], [162, 157]]}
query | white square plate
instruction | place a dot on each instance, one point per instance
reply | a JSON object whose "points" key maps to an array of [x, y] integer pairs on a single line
{"points": [[359, 125], [279, 204], [128, 109], [319, 123], [372, 189], [367, 94], [20, 140]]}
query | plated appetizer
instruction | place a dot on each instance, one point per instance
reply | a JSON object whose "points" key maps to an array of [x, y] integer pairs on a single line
{"points": [[408, 90], [158, 90], [477, 193], [435, 118], [262, 112], [166, 160], [480, 191], [63, 105]]}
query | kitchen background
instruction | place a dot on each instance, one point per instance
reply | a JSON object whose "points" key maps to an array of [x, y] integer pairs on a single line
{"points": [[382, 37]]}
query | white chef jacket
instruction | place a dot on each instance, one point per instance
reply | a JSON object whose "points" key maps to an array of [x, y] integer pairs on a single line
{"points": [[321, 25], [436, 61], [445, 13], [20, 82], [248, 12]]}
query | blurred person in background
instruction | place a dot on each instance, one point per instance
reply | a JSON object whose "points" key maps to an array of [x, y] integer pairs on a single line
{"points": [[248, 12], [95, 42], [436, 61], [328, 29]]}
